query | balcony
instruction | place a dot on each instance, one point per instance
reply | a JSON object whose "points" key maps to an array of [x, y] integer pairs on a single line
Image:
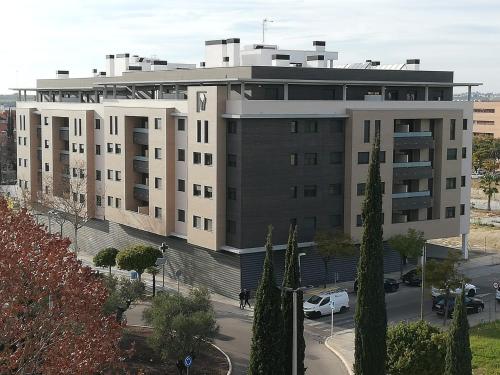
{"points": [[411, 200], [141, 136], [141, 192], [141, 164], [412, 170], [413, 140], [426, 193], [64, 156], [64, 133]]}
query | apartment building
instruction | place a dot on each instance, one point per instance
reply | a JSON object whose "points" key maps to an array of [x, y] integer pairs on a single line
{"points": [[486, 119], [205, 157]]}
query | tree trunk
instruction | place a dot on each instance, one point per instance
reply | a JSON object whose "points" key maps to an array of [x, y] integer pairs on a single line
{"points": [[447, 297], [325, 261], [76, 239], [109, 270], [62, 229], [489, 202], [154, 284], [401, 266]]}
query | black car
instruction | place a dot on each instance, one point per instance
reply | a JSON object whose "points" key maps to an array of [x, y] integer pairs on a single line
{"points": [[390, 285], [473, 305], [412, 278]]}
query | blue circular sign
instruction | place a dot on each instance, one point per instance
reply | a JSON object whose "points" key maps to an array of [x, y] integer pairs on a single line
{"points": [[188, 361]]}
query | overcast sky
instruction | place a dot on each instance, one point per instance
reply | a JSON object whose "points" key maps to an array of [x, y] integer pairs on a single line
{"points": [[42, 36]]}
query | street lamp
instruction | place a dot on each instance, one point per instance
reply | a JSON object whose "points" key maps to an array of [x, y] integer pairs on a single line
{"points": [[300, 272], [422, 282], [163, 248]]}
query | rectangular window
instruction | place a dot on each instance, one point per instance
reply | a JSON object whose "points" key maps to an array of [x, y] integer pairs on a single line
{"points": [[294, 126], [110, 201], [181, 185], [98, 200], [158, 183], [206, 131], [158, 212], [382, 156], [98, 123], [452, 129], [110, 147], [196, 222], [118, 148], [451, 183], [450, 212], [75, 197], [47, 167], [311, 126], [335, 189], [158, 153], [45, 120], [231, 194], [293, 192], [197, 190], [82, 173], [360, 189], [231, 160], [462, 181], [75, 172], [110, 174], [98, 175], [157, 123], [181, 124], [231, 127], [363, 157], [98, 149], [82, 198], [462, 209], [359, 220], [110, 124], [208, 192], [46, 143], [20, 162], [80, 127], [82, 148], [377, 128], [335, 221], [118, 202], [464, 152], [25, 141], [74, 147], [75, 130], [311, 158], [208, 159], [464, 124], [197, 157], [451, 154], [207, 224], [181, 154], [294, 160], [181, 216], [366, 131], [429, 213], [310, 191], [198, 131], [116, 125], [25, 162], [118, 175]]}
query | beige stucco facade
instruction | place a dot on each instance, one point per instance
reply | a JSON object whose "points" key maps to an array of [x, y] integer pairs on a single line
{"points": [[487, 118]]}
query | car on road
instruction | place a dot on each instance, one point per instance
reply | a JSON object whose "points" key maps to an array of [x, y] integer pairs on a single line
{"points": [[412, 278], [497, 295], [473, 305], [390, 285], [470, 291], [319, 304]]}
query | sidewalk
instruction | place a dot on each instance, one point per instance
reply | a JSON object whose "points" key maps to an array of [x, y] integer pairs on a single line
{"points": [[342, 345]]}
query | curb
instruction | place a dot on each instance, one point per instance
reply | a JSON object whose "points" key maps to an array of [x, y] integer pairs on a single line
{"points": [[341, 357], [229, 371]]}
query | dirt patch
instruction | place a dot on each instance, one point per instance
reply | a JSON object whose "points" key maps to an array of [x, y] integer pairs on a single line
{"points": [[145, 361], [481, 237]]}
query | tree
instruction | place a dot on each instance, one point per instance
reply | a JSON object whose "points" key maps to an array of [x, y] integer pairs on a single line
{"points": [[181, 325], [458, 353], [408, 245], [291, 279], [138, 258], [488, 183], [371, 319], [153, 271], [106, 258], [122, 292], [333, 245], [415, 348], [485, 149], [266, 352], [444, 275], [52, 315]]}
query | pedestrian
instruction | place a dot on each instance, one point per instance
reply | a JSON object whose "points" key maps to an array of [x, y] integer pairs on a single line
{"points": [[247, 298], [242, 299]]}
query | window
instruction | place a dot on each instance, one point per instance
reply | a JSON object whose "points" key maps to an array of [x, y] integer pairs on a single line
{"points": [[110, 174], [429, 213], [382, 187], [98, 200], [97, 123], [359, 221], [82, 198], [231, 227], [451, 183], [157, 123], [208, 159], [118, 148], [462, 209], [158, 183], [294, 126], [293, 192], [360, 189], [363, 157], [201, 101], [116, 125], [198, 131], [451, 154], [82, 173], [294, 160], [206, 131], [484, 110], [82, 148], [45, 120], [231, 194], [464, 152], [311, 126], [110, 147], [74, 147], [231, 127], [158, 153], [46, 143], [450, 212], [382, 156], [47, 167], [335, 220], [110, 201], [181, 185], [181, 125], [452, 129], [197, 157], [208, 192], [207, 224], [110, 124], [310, 191], [196, 222], [366, 131], [311, 158], [377, 128], [462, 181], [325, 301], [19, 141], [98, 175], [118, 202], [181, 154], [464, 124], [98, 149], [335, 189], [25, 162], [231, 160], [118, 175], [196, 190], [181, 216], [158, 212], [25, 141]]}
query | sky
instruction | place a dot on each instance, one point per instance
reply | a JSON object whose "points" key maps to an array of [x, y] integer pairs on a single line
{"points": [[40, 37]]}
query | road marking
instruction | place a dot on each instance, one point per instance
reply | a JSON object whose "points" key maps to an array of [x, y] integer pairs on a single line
{"points": [[482, 295], [314, 324]]}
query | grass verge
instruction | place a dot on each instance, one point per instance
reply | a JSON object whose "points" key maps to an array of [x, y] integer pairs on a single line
{"points": [[485, 346]]}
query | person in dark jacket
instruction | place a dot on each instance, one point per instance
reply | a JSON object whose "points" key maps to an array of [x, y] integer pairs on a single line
{"points": [[242, 299], [247, 298]]}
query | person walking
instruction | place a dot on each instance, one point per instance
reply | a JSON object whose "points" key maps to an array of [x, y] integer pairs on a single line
{"points": [[247, 298], [242, 299]]}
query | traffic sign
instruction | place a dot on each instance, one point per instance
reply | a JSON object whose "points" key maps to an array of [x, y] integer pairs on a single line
{"points": [[188, 361], [160, 261], [332, 304], [495, 285]]}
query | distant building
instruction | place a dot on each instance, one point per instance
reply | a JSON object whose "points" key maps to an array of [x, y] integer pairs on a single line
{"points": [[486, 119]]}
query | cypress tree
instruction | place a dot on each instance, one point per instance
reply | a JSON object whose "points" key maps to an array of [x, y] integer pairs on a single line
{"points": [[458, 354], [266, 352], [371, 318], [291, 279]]}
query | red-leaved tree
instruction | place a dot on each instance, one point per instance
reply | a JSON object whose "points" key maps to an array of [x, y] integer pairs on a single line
{"points": [[51, 315]]}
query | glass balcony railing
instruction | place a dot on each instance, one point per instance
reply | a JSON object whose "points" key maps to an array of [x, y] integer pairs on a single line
{"points": [[413, 194], [412, 134], [412, 164]]}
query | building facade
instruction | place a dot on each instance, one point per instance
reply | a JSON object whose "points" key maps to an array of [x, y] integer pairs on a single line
{"points": [[259, 136], [486, 119]]}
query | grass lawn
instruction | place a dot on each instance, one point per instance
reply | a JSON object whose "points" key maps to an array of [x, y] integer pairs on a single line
{"points": [[485, 346]]}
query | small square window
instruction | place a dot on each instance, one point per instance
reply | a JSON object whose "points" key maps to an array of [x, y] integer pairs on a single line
{"points": [[464, 124], [181, 216], [158, 183], [47, 167], [311, 126], [208, 192], [45, 120], [359, 221], [74, 147], [110, 201], [196, 157], [450, 212], [98, 149], [208, 159], [98, 175], [118, 202], [451, 154], [462, 209], [181, 185], [310, 191], [196, 222], [82, 173], [110, 147], [98, 123], [360, 189], [158, 212], [110, 174], [82, 148], [382, 156], [462, 181], [207, 224], [46, 143], [75, 172], [98, 200], [451, 183], [464, 152], [158, 153], [118, 175], [196, 190], [363, 157], [181, 154], [82, 198], [118, 148], [157, 123], [181, 124], [311, 159], [231, 160]]}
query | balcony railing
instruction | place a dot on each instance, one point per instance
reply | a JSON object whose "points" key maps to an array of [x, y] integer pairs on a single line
{"points": [[141, 136], [141, 192], [412, 134], [64, 134], [141, 164], [64, 156], [413, 194], [412, 164]]}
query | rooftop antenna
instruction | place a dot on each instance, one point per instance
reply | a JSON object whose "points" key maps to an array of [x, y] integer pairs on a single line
{"points": [[264, 21]]}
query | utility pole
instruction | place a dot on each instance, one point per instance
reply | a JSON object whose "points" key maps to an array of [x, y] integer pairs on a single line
{"points": [[422, 283], [264, 22]]}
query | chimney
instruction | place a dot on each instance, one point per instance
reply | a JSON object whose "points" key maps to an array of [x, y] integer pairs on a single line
{"points": [[280, 60], [319, 45], [122, 63], [110, 65], [413, 64], [233, 51], [215, 51], [62, 73]]}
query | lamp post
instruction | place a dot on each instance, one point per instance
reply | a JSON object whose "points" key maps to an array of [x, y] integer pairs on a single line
{"points": [[264, 22], [422, 283], [300, 272], [163, 248]]}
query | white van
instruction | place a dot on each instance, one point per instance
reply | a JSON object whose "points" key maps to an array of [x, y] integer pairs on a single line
{"points": [[320, 304]]}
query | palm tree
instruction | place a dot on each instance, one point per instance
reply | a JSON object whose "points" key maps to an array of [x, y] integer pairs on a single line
{"points": [[153, 271], [488, 183]]}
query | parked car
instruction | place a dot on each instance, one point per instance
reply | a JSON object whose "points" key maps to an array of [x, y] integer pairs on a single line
{"points": [[390, 285], [470, 291], [497, 296], [319, 304], [473, 305], [412, 278]]}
